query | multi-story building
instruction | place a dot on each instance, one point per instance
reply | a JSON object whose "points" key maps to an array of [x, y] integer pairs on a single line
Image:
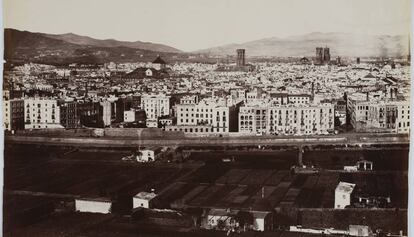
{"points": [[105, 113], [293, 119], [69, 117], [155, 106], [370, 114], [208, 116], [41, 113], [13, 114]]}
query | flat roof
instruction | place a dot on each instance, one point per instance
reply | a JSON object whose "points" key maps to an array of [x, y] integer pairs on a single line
{"points": [[145, 195], [345, 187]]}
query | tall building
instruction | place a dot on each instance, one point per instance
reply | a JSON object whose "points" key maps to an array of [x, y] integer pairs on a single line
{"points": [[319, 55], [13, 114], [326, 55], [155, 106], [323, 55], [241, 61], [208, 112], [41, 113], [69, 117]]}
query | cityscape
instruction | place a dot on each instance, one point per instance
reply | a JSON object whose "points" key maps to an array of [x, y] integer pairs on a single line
{"points": [[295, 136]]}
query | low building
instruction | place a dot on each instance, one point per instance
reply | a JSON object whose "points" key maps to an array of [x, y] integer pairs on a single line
{"points": [[143, 199], [262, 220], [365, 165], [359, 230], [93, 205], [343, 195], [151, 123], [129, 116], [148, 154], [222, 219]]}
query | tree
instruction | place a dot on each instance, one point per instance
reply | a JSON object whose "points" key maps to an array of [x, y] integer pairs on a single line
{"points": [[245, 219], [221, 224]]}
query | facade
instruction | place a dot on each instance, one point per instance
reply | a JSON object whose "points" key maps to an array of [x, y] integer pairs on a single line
{"points": [[41, 113], [323, 55], [155, 106], [148, 155], [241, 61], [105, 113], [13, 114], [143, 199], [369, 115], [287, 119], [222, 219], [129, 116], [101, 205], [69, 117], [343, 195], [212, 113]]}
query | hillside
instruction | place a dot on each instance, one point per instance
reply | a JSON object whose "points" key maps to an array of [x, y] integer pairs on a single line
{"points": [[341, 44]]}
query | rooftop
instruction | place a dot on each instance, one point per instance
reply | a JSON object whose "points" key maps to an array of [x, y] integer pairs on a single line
{"points": [[345, 187], [145, 195]]}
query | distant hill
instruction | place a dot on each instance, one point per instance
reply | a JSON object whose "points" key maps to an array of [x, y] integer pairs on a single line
{"points": [[340, 44], [25, 46], [85, 40]]}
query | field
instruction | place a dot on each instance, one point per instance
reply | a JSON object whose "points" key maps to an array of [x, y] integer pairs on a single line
{"points": [[260, 181]]}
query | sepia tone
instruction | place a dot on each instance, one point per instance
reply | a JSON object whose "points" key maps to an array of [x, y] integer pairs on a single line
{"points": [[206, 118]]}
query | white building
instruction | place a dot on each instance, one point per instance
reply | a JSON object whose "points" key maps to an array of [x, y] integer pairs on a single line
{"points": [[343, 195], [226, 217], [97, 205], [129, 116], [41, 113], [106, 112], [6, 115], [210, 112], [262, 220], [375, 113], [148, 155], [143, 199], [298, 119], [155, 105]]}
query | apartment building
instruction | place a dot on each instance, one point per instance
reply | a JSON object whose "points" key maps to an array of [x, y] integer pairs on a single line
{"points": [[377, 114], [13, 114], [293, 119], [210, 114], [41, 113], [155, 106]]}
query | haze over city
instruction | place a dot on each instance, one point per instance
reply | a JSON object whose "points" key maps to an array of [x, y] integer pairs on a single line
{"points": [[193, 25]]}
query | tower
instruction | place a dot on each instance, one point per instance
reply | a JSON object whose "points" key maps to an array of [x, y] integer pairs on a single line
{"points": [[240, 62], [326, 55], [319, 55]]}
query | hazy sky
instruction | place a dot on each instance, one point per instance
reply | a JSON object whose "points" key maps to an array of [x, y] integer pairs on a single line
{"points": [[196, 24]]}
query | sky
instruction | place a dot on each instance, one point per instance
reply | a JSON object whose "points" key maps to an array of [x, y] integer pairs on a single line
{"points": [[198, 24]]}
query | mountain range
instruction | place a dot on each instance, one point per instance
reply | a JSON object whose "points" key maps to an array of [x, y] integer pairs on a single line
{"points": [[24, 46], [340, 44]]}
